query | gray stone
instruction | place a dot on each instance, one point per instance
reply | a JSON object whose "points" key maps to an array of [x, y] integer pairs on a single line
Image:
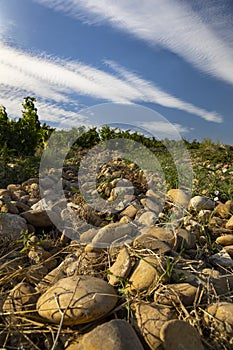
{"points": [[11, 226], [201, 202], [148, 218]]}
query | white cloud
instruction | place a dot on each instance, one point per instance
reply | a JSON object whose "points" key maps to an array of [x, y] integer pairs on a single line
{"points": [[163, 129], [172, 24], [55, 82]]}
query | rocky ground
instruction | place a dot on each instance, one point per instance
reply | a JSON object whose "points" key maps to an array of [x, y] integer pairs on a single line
{"points": [[156, 273]]}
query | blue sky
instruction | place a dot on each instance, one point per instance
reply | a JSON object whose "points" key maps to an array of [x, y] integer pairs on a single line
{"points": [[172, 56]]}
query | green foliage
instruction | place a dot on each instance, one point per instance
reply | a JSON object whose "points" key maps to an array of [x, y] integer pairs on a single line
{"points": [[25, 135]]}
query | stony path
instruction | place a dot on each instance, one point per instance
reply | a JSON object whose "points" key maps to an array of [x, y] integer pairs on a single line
{"points": [[144, 276]]}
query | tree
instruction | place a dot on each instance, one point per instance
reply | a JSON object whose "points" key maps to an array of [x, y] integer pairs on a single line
{"points": [[4, 127], [28, 133]]}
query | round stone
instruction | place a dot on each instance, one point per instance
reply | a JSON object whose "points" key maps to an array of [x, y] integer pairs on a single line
{"points": [[178, 334], [78, 300]]}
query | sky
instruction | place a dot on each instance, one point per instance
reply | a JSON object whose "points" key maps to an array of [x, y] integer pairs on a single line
{"points": [[92, 62]]}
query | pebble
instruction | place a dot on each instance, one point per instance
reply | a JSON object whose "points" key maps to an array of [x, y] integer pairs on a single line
{"points": [[225, 240], [11, 226], [121, 267], [179, 197], [162, 234], [178, 334], [148, 241], [201, 203], [148, 218], [221, 259], [185, 239], [222, 313], [81, 299], [212, 278], [112, 233], [146, 275], [113, 335], [22, 297], [150, 318], [174, 293], [229, 224], [40, 218]]}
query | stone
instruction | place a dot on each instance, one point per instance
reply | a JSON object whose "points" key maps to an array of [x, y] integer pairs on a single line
{"points": [[221, 258], [17, 195], [229, 224], [152, 206], [225, 240], [9, 207], [87, 236], [35, 273], [22, 206], [49, 279], [114, 335], [174, 293], [40, 218], [148, 241], [129, 211], [112, 233], [178, 197], [212, 278], [146, 275], [11, 226], [22, 297], [148, 218], [121, 267], [201, 202], [80, 299], [163, 234], [14, 187], [222, 313], [204, 216], [185, 239], [182, 275], [150, 318], [4, 192], [178, 334], [229, 250], [223, 210]]}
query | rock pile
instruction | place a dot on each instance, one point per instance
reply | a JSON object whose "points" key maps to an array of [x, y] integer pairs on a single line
{"points": [[149, 275]]}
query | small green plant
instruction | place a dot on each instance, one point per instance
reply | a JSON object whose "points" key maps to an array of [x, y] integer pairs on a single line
{"points": [[25, 240], [123, 291]]}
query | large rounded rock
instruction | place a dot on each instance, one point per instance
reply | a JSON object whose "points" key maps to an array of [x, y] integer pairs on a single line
{"points": [[150, 318], [222, 316], [11, 226], [114, 335], [81, 299], [177, 334]]}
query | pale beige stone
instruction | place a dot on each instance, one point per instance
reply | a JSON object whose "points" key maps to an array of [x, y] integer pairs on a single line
{"points": [[81, 298]]}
